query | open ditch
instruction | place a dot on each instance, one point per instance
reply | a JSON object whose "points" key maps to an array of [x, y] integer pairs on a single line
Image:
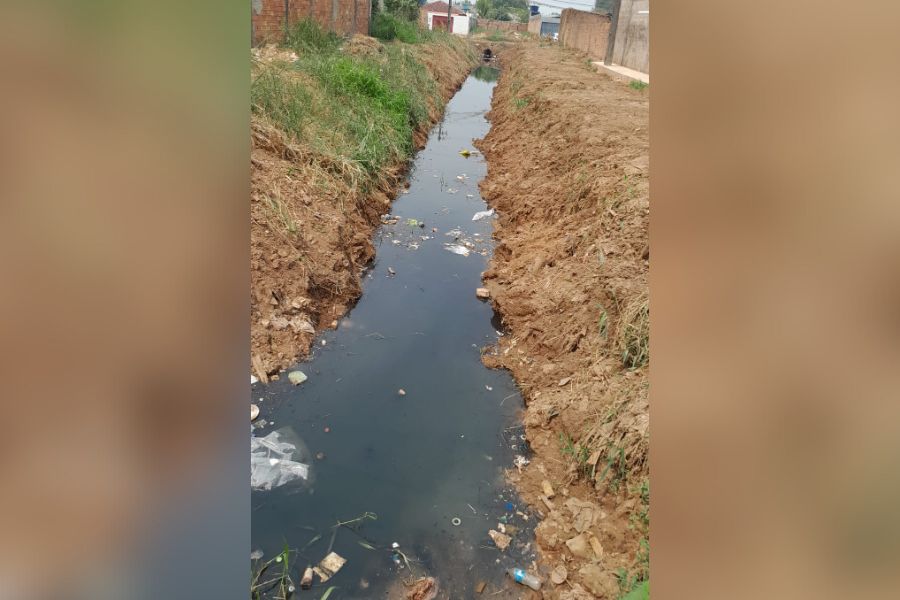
{"points": [[405, 484]]}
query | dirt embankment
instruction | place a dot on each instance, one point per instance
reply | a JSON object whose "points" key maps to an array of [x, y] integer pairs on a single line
{"points": [[312, 217], [568, 173]]}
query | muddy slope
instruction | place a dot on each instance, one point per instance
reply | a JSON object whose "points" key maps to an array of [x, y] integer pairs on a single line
{"points": [[311, 225], [568, 173]]}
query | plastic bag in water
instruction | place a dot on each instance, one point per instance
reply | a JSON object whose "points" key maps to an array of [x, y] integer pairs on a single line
{"points": [[276, 460], [483, 214], [457, 249]]}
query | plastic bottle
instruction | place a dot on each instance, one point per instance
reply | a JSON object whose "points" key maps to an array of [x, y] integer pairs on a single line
{"points": [[525, 578]]}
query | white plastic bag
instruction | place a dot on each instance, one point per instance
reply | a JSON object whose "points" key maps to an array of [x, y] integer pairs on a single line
{"points": [[275, 460]]}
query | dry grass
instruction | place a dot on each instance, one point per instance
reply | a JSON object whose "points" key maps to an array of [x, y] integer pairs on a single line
{"points": [[633, 332]]}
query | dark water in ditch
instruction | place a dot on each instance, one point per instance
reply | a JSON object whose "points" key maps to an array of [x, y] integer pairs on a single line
{"points": [[420, 460]]}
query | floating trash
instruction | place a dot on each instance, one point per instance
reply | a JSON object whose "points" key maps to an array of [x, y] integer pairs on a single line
{"points": [[275, 460], [484, 214], [457, 249], [330, 565], [297, 377]]}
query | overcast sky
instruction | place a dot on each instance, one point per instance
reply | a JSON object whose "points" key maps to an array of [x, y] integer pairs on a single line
{"points": [[549, 7]]}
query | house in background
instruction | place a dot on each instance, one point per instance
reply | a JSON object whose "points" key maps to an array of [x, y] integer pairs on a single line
{"points": [[434, 16], [549, 26], [544, 26]]}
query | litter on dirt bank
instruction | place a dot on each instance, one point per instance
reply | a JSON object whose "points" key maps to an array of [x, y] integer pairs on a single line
{"points": [[501, 540], [557, 247]]}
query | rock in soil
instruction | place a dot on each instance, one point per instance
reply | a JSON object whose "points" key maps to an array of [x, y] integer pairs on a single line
{"points": [[548, 489], [598, 581], [580, 546]]}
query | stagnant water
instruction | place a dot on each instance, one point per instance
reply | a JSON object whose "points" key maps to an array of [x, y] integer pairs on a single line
{"points": [[420, 460]]}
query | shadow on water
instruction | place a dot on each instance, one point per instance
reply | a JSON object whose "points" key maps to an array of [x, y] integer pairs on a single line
{"points": [[486, 73], [428, 463]]}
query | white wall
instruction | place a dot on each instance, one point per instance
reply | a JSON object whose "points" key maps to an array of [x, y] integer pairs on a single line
{"points": [[461, 24]]}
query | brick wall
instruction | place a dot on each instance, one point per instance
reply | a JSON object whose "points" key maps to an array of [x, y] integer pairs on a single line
{"points": [[491, 25], [267, 17], [585, 31]]}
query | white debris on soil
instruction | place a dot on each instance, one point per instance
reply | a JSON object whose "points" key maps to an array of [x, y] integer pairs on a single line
{"points": [[501, 540], [520, 461]]}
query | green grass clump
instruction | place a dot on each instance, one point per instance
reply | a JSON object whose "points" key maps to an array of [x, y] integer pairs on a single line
{"points": [[387, 27], [359, 110], [281, 100], [308, 36], [638, 85]]}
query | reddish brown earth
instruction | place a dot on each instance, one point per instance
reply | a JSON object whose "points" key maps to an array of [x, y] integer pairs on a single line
{"points": [[568, 173], [305, 276]]}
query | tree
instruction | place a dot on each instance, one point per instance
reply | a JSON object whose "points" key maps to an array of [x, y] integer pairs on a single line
{"points": [[484, 8], [604, 7], [407, 10], [501, 9]]}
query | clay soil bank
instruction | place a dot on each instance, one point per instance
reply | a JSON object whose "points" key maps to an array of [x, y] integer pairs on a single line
{"points": [[568, 173], [313, 209]]}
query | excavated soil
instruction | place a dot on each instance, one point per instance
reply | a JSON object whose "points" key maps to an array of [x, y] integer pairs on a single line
{"points": [[303, 277], [568, 173]]}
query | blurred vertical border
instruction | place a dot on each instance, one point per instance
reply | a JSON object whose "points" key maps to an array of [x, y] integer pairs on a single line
{"points": [[775, 293], [124, 268]]}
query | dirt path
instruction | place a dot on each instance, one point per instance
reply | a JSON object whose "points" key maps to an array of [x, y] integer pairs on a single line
{"points": [[311, 228], [568, 173]]}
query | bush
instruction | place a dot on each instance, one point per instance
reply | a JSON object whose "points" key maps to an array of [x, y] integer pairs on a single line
{"points": [[349, 77], [386, 27], [283, 101], [308, 35], [408, 10]]}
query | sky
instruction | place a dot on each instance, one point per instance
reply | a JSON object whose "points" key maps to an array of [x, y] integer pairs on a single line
{"points": [[548, 7]]}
